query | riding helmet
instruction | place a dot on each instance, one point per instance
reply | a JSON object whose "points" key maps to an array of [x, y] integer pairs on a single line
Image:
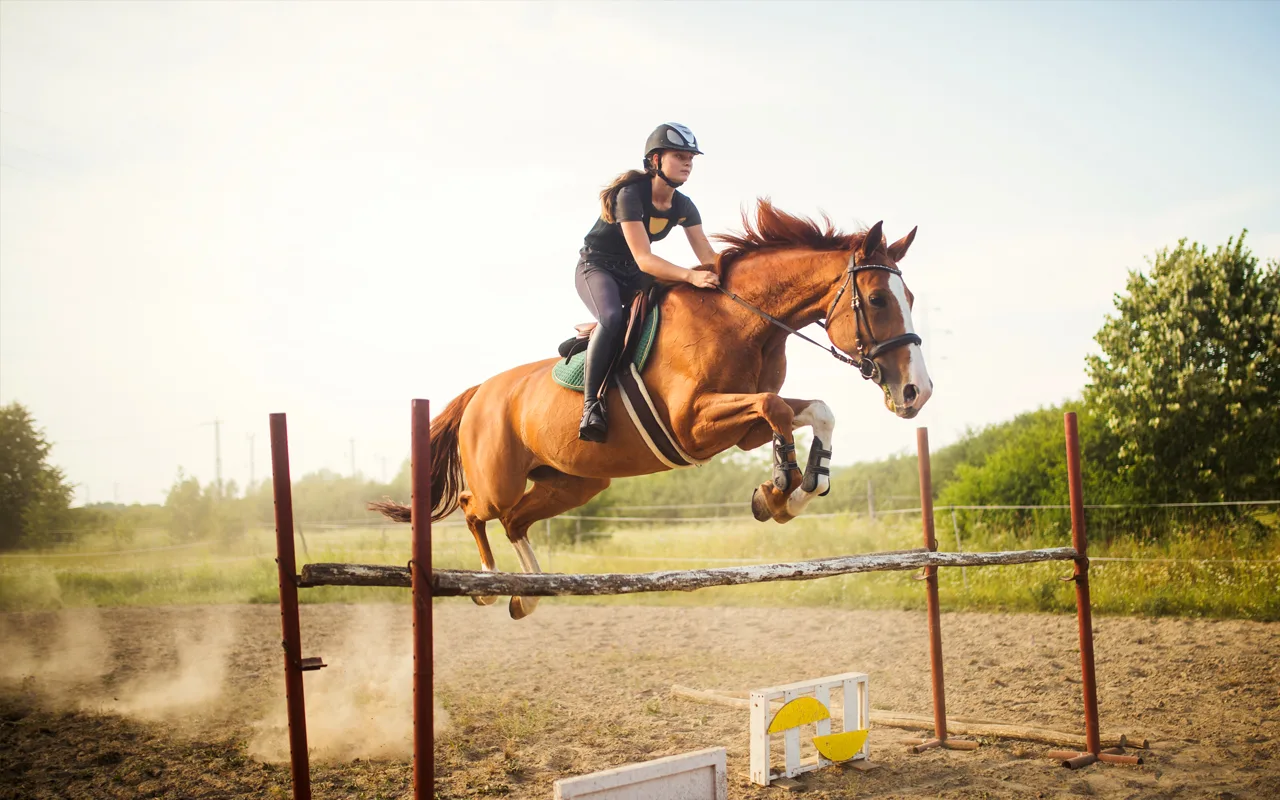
{"points": [[671, 136]]}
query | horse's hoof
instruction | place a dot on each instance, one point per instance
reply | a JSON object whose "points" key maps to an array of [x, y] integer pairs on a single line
{"points": [[521, 607], [759, 508], [486, 600]]}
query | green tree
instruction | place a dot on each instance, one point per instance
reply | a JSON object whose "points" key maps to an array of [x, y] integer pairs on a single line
{"points": [[1189, 376], [190, 509], [34, 495], [1023, 462], [209, 512]]}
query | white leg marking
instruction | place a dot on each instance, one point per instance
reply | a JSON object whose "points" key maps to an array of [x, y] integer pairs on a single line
{"points": [[819, 418], [525, 551], [528, 561], [488, 599]]}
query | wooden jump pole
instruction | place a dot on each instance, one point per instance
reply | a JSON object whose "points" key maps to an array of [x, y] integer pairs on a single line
{"points": [[469, 583], [1072, 759], [286, 563], [423, 639], [930, 578]]}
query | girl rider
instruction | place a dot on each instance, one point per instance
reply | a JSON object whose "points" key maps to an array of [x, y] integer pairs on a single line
{"points": [[637, 208]]}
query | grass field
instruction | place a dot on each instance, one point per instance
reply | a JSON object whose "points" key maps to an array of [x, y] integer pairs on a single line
{"points": [[1195, 578]]}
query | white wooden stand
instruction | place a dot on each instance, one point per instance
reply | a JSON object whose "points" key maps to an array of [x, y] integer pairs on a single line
{"points": [[857, 716]]}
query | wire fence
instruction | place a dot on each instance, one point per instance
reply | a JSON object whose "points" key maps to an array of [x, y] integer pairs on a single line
{"points": [[8, 561]]}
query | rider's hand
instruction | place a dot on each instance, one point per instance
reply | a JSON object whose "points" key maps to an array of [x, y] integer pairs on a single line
{"points": [[702, 278]]}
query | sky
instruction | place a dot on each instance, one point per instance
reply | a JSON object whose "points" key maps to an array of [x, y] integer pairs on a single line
{"points": [[215, 211]]}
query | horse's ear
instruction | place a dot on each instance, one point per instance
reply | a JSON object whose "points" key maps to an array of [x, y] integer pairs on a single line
{"points": [[898, 250], [874, 241]]}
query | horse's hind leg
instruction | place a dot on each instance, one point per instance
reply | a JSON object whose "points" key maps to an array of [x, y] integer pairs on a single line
{"points": [[465, 501], [552, 493]]}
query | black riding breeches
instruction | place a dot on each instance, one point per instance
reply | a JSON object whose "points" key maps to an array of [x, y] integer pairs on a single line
{"points": [[608, 299]]}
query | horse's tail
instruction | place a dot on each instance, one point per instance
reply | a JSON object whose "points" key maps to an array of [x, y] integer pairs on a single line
{"points": [[446, 465]]}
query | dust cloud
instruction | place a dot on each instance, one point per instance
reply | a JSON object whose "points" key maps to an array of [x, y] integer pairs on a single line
{"points": [[182, 683], [360, 706], [59, 665], [180, 675]]}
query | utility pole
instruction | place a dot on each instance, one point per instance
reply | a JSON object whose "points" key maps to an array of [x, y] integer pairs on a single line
{"points": [[353, 458], [217, 453], [251, 464]]}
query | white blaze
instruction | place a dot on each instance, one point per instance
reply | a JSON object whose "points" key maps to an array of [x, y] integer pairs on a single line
{"points": [[916, 371]]}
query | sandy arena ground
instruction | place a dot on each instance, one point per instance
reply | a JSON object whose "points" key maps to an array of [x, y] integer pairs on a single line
{"points": [[187, 703]]}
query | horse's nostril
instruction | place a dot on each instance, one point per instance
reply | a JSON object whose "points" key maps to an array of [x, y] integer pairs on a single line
{"points": [[910, 393]]}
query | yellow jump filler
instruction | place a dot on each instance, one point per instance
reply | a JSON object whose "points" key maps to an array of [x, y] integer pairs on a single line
{"points": [[806, 708]]}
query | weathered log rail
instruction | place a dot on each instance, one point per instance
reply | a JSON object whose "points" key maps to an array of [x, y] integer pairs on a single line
{"points": [[468, 583]]}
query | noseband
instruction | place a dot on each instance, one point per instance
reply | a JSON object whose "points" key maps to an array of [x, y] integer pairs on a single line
{"points": [[866, 362], [866, 357]]}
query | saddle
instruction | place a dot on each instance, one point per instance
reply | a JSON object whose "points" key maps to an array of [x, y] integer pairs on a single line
{"points": [[641, 307]]}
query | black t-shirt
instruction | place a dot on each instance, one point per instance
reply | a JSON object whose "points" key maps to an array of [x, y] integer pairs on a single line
{"points": [[605, 244]]}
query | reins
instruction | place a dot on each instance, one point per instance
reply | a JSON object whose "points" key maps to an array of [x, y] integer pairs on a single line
{"points": [[764, 315]]}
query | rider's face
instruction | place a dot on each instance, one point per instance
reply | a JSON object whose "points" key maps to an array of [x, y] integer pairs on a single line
{"points": [[677, 164]]}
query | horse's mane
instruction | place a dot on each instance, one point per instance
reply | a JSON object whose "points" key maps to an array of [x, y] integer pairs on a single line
{"points": [[775, 229]]}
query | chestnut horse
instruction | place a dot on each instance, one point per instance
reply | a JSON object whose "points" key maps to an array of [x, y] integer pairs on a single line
{"points": [[713, 374]]}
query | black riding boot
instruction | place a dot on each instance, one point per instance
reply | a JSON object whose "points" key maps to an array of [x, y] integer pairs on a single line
{"points": [[595, 425]]}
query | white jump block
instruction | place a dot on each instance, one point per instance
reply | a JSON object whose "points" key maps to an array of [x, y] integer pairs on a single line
{"points": [[700, 775], [856, 716]]}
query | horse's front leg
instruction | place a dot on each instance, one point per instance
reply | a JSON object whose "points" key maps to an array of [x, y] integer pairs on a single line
{"points": [[817, 416], [721, 421]]}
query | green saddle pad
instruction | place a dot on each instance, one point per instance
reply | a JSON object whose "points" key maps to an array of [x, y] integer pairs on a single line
{"points": [[571, 374]]}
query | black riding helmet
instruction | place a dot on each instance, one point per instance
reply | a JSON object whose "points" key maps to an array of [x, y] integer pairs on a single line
{"points": [[669, 136]]}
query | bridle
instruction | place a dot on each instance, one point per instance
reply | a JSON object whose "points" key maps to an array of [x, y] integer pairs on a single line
{"points": [[867, 364], [866, 356]]}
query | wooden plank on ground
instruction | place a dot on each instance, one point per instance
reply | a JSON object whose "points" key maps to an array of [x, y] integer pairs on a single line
{"points": [[700, 775]]}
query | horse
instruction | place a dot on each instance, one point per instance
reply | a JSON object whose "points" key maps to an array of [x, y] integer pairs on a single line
{"points": [[508, 448]]}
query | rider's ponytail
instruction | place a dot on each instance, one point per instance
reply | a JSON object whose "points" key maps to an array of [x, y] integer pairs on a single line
{"points": [[610, 193]]}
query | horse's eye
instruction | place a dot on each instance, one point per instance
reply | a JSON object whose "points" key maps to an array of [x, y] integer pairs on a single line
{"points": [[877, 300]]}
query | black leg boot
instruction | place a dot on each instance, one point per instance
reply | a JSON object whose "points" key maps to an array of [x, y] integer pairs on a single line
{"points": [[595, 425]]}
